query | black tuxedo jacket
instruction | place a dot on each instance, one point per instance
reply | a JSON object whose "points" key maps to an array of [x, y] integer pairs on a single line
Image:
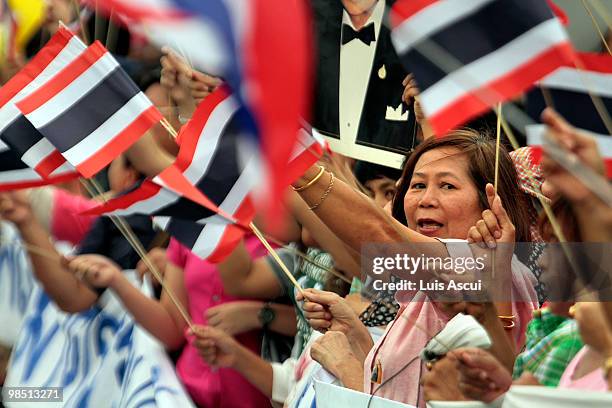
{"points": [[374, 129]]}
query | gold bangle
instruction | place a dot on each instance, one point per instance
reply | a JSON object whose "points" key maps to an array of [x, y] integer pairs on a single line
{"points": [[510, 326], [512, 317], [325, 194], [311, 182]]}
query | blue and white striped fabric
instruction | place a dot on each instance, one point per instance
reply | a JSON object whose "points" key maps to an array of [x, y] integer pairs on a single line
{"points": [[16, 284], [99, 357]]}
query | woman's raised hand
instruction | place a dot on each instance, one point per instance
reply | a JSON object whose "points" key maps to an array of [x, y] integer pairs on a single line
{"points": [[495, 225], [96, 270], [328, 311]]}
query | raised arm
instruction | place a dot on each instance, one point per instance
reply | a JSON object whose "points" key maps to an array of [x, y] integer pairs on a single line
{"points": [[345, 258], [160, 318], [59, 283], [352, 216], [243, 276]]}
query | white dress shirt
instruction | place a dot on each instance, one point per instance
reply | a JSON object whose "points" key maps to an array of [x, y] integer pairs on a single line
{"points": [[356, 60]]}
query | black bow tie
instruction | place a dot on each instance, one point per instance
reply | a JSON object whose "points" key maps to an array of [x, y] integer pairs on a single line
{"points": [[366, 34]]}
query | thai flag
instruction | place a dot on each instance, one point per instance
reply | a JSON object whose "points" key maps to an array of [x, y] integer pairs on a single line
{"points": [[15, 130], [15, 174], [262, 50], [211, 158], [91, 111], [571, 91], [469, 55]]}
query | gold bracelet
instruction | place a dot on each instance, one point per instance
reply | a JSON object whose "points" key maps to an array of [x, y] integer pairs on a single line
{"points": [[325, 194], [509, 320], [510, 326], [311, 182]]}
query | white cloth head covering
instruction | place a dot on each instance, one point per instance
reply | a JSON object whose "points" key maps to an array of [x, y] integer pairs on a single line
{"points": [[461, 331]]}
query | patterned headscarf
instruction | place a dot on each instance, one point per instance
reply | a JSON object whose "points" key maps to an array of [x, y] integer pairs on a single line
{"points": [[530, 182]]}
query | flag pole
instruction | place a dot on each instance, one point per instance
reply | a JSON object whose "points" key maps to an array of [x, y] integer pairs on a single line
{"points": [[556, 226], [133, 240], [168, 126], [276, 258], [594, 21], [77, 8], [603, 13], [111, 33], [497, 144], [308, 259]]}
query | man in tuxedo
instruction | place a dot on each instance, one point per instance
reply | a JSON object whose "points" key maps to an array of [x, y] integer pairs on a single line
{"points": [[358, 91]]}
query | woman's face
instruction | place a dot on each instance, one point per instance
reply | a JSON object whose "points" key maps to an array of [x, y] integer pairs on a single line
{"points": [[442, 201]]}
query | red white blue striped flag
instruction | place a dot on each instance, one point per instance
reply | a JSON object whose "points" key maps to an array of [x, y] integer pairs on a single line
{"points": [[572, 91], [485, 52], [91, 111], [15, 174], [241, 42], [212, 159], [15, 130]]}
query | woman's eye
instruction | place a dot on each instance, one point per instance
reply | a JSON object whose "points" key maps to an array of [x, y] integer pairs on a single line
{"points": [[389, 194], [417, 186], [448, 186]]}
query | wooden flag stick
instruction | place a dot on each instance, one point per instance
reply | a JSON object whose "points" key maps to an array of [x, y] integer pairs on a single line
{"points": [[276, 258], [45, 253], [594, 21], [308, 259], [556, 226], [133, 240], [496, 177], [97, 28], [112, 33], [601, 10], [77, 8], [168, 126], [497, 145]]}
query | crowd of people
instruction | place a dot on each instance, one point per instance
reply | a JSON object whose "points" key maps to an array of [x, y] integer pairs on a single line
{"points": [[261, 337]]}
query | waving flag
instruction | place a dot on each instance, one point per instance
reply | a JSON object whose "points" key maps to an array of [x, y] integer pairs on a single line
{"points": [[211, 158], [15, 130], [571, 90], [91, 111], [559, 12], [486, 51], [15, 174], [241, 41]]}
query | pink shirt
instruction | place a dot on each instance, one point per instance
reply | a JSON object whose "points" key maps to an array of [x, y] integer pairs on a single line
{"points": [[593, 381], [224, 387], [417, 321], [66, 222]]}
